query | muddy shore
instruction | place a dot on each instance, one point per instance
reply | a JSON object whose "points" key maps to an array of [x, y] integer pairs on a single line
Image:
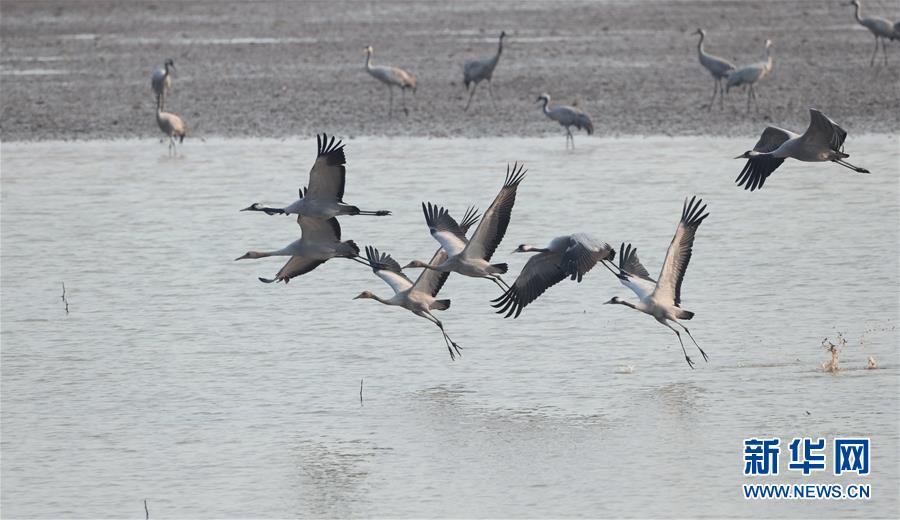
{"points": [[81, 69]]}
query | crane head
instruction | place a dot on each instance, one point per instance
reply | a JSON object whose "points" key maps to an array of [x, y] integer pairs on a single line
{"points": [[854, 2], [614, 299], [701, 32], [523, 248], [502, 34], [368, 50], [169, 63], [745, 155], [769, 44], [365, 294], [543, 97]]}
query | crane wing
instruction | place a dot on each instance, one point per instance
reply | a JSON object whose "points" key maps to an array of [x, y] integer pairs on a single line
{"points": [[318, 230], [542, 271], [823, 130], [430, 281], [632, 273], [388, 270], [493, 224], [668, 289], [757, 169], [583, 254], [328, 175], [294, 267], [444, 229]]}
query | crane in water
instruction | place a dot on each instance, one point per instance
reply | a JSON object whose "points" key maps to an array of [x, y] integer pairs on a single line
{"points": [[569, 256], [161, 81], [881, 28], [392, 77], [474, 71], [417, 297], [319, 242], [327, 178], [750, 75], [472, 257], [172, 126], [822, 141], [567, 116], [720, 68], [662, 299]]}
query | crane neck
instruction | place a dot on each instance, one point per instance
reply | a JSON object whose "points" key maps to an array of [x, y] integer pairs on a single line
{"points": [[627, 304], [368, 61], [500, 47], [858, 17], [546, 102], [700, 44]]}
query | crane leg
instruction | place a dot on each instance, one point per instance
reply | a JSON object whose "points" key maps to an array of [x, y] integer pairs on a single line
{"points": [[451, 345], [686, 357], [705, 357], [491, 93], [872, 61], [471, 94], [403, 101], [845, 164], [716, 84], [884, 50], [391, 102], [721, 94]]}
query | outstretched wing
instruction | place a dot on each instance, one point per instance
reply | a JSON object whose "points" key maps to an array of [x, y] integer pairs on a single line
{"points": [[757, 169], [583, 254], [294, 267], [632, 273], [493, 224], [444, 229], [542, 271], [430, 281], [823, 130], [668, 290], [328, 175], [388, 270], [318, 230]]}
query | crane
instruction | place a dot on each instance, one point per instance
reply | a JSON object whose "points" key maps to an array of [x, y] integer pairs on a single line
{"points": [[822, 141], [477, 70], [392, 77], [751, 74], [567, 116], [662, 299], [172, 126], [327, 178], [720, 68], [881, 28], [161, 81]]}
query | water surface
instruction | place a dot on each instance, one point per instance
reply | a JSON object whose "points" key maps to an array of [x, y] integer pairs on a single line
{"points": [[179, 378]]}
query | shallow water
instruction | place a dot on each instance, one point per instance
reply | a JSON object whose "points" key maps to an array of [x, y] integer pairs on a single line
{"points": [[179, 378]]}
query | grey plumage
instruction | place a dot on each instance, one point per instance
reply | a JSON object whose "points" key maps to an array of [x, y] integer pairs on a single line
{"points": [[392, 77], [161, 82], [750, 75], [881, 28], [482, 69], [718, 67], [567, 116]]}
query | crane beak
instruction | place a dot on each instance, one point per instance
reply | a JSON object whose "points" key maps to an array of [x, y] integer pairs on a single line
{"points": [[251, 207], [245, 255]]}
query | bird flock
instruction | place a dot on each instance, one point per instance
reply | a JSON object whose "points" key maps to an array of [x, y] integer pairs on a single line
{"points": [[573, 256]]}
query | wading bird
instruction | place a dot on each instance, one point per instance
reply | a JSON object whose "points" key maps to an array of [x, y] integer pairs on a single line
{"points": [[392, 77], [567, 256], [472, 257], [324, 198], [720, 68], [172, 126], [662, 299], [319, 242], [474, 71], [822, 141], [161, 82], [418, 297], [750, 75], [881, 28], [567, 116]]}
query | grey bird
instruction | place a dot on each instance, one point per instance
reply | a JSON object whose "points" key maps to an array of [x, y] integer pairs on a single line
{"points": [[569, 256], [822, 141], [720, 68], [662, 299], [881, 28], [161, 82], [750, 75], [392, 77], [567, 116], [482, 69]]}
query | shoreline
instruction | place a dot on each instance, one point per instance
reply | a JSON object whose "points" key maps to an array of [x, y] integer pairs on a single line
{"points": [[80, 70]]}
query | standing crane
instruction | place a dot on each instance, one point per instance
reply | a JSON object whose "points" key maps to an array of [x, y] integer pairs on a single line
{"points": [[418, 297], [472, 257], [720, 68], [392, 77], [161, 82], [474, 71], [566, 256], [822, 141], [881, 28], [567, 116], [750, 75], [172, 126], [319, 242], [327, 178], [662, 299]]}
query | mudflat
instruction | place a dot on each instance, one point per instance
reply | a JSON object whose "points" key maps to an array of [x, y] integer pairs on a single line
{"points": [[80, 69]]}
